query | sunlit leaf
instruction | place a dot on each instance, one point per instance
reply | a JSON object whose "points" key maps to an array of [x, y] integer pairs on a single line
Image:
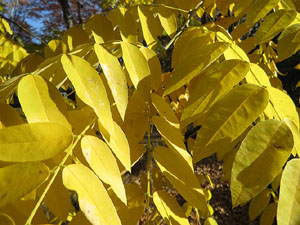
{"points": [[167, 19], [92, 196], [169, 209], [257, 75], [228, 118], [180, 174], [289, 196], [115, 77], [19, 179], [260, 158], [104, 164], [33, 142]]}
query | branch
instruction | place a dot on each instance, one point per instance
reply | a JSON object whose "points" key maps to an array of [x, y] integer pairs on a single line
{"points": [[69, 20], [23, 28], [191, 14]]}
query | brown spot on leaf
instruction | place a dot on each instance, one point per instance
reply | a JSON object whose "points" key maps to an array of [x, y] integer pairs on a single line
{"points": [[277, 145]]}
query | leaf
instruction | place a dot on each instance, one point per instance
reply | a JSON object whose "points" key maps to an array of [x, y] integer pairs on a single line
{"points": [[268, 215], [181, 175], [168, 20], [93, 198], [9, 116], [192, 66], [235, 52], [101, 28], [279, 102], [116, 77], [169, 209], [130, 214], [210, 221], [297, 5], [33, 142], [296, 133], [260, 158], [8, 87], [19, 179], [154, 66], [104, 164], [273, 24], [258, 9], [228, 118], [136, 65], [41, 101], [164, 110], [6, 219], [215, 83], [259, 203], [257, 75], [54, 48], [289, 196], [74, 37], [173, 138], [289, 41], [89, 88]]}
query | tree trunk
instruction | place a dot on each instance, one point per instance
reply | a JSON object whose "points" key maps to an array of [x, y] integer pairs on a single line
{"points": [[69, 20]]}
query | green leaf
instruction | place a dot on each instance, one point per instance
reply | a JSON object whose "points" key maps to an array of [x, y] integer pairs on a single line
{"points": [[89, 87], [260, 158], [93, 197], [176, 169], [289, 196], [191, 66], [102, 161], [259, 203], [115, 76], [33, 142], [19, 179], [215, 83], [274, 24], [289, 41], [227, 119], [258, 9], [41, 101], [169, 209]]}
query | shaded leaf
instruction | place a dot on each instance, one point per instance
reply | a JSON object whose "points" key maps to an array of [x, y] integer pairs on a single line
{"points": [[9, 116], [259, 203], [260, 158], [268, 215]]}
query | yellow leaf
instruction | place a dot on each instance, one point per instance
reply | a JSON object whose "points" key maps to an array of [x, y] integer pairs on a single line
{"points": [[89, 87], [258, 9], [268, 215], [164, 110], [191, 66], [33, 142], [9, 116], [115, 76], [169, 209], [19, 179], [289, 196], [104, 164], [210, 221], [289, 41], [297, 4], [8, 87], [74, 37], [130, 214], [6, 26], [196, 38], [55, 47], [173, 138], [278, 105], [276, 182], [154, 66], [215, 83], [6, 219], [176, 169], [259, 203], [235, 52], [79, 219], [41, 101], [257, 75], [93, 198], [296, 133], [273, 24], [228, 118], [81, 118], [260, 158], [168, 20], [137, 66], [101, 28]]}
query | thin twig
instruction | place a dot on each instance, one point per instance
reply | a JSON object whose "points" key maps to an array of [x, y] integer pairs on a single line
{"points": [[191, 14], [23, 28]]}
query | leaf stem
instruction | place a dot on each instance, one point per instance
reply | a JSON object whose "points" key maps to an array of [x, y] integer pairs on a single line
{"points": [[69, 151], [191, 14], [149, 160]]}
